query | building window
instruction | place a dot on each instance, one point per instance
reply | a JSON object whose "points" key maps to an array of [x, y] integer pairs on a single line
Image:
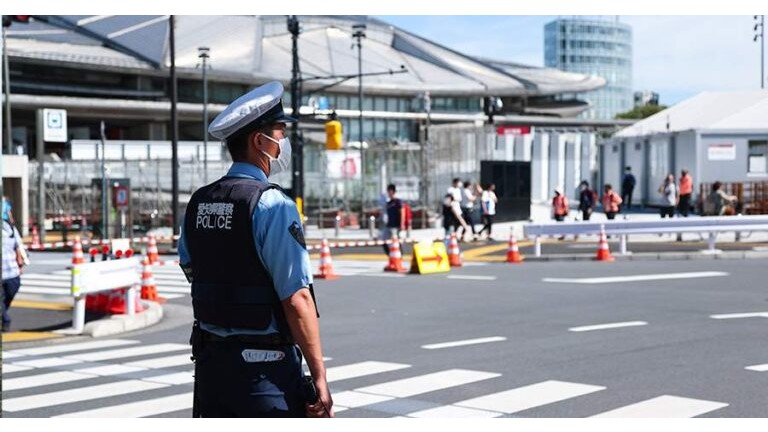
{"points": [[758, 157]]}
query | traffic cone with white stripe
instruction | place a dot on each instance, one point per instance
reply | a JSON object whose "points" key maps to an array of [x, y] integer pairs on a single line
{"points": [[326, 263], [152, 253], [77, 252], [603, 251], [454, 254], [36, 245], [148, 287], [395, 257], [513, 252]]}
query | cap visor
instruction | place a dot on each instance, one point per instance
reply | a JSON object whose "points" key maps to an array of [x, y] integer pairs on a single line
{"points": [[284, 118]]}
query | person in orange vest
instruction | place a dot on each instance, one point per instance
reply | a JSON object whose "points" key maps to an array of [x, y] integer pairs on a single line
{"points": [[685, 191], [560, 205], [611, 202]]}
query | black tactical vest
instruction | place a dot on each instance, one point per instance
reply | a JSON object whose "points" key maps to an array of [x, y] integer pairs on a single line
{"points": [[230, 286]]}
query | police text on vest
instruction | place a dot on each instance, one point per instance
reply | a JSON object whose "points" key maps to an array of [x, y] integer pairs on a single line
{"points": [[214, 216]]}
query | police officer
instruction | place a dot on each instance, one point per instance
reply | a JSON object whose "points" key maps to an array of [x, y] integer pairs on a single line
{"points": [[242, 248]]}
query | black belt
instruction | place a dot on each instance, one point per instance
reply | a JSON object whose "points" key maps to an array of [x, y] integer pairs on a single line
{"points": [[274, 339]]}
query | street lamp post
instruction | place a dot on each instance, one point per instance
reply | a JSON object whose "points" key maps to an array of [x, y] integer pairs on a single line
{"points": [[203, 53], [760, 33], [359, 34]]}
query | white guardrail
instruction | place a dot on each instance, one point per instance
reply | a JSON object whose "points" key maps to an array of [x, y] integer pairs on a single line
{"points": [[93, 277], [709, 225]]}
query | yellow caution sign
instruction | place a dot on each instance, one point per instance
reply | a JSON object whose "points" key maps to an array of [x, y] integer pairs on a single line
{"points": [[429, 258]]}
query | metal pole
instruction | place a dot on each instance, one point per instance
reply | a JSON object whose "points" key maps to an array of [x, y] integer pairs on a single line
{"points": [[174, 136], [204, 55], [104, 207], [762, 51], [424, 156], [40, 176], [297, 178], [359, 35], [7, 105]]}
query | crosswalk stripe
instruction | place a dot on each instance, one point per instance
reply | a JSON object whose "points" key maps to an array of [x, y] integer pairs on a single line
{"points": [[72, 347], [173, 378], [11, 368], [163, 362], [427, 383], [531, 396], [450, 411], [174, 290], [354, 399], [42, 380], [758, 368], [45, 283], [169, 296], [46, 290], [665, 407], [129, 352], [44, 276], [464, 342], [110, 370], [356, 370], [144, 408], [78, 395], [47, 362]]}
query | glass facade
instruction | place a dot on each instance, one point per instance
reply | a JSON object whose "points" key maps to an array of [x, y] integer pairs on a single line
{"points": [[594, 47]]}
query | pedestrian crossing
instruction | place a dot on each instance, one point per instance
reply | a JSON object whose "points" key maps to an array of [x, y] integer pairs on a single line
{"points": [[127, 378], [170, 281]]}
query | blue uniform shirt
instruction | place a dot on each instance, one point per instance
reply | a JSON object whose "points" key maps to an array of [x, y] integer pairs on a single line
{"points": [[284, 258]]}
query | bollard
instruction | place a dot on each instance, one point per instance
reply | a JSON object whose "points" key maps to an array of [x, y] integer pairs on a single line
{"points": [[623, 245], [104, 252], [372, 226], [712, 241], [93, 251], [338, 225], [536, 246]]}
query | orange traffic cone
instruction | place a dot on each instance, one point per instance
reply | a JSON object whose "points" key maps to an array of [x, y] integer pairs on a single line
{"points": [[117, 302], [454, 254], [395, 257], [326, 263], [35, 239], [513, 252], [603, 251], [152, 253], [77, 252], [148, 287]]}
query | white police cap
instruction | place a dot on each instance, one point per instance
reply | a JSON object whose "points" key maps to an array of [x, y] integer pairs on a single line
{"points": [[260, 106]]}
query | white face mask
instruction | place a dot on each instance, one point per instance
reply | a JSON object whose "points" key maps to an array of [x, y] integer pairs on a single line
{"points": [[282, 162]]}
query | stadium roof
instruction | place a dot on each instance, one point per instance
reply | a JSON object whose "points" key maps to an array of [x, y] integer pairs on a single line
{"points": [[258, 48]]}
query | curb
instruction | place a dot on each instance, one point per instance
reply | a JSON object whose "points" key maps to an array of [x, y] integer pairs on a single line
{"points": [[116, 324]]}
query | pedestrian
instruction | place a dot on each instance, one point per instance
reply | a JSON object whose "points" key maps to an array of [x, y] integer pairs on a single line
{"points": [[611, 202], [720, 203], [395, 216], [587, 200], [686, 191], [488, 201], [627, 187], [468, 198], [242, 247], [14, 259], [560, 205], [449, 222], [668, 190]]}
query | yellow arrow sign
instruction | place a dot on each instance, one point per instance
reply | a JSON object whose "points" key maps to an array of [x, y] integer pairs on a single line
{"points": [[429, 258]]}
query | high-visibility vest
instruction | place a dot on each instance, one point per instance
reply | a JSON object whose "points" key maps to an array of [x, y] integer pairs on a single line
{"points": [[560, 204], [686, 185]]}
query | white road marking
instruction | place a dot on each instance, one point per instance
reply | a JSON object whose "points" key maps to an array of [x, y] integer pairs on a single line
{"points": [[380, 274], [756, 368], [427, 383], [11, 368], [47, 362], [366, 368], [741, 315], [173, 378], [470, 277], [144, 408], [42, 379], [531, 396], [72, 347], [450, 411], [130, 352], [608, 326], [464, 342], [77, 395], [163, 362], [636, 278], [353, 399], [665, 407]]}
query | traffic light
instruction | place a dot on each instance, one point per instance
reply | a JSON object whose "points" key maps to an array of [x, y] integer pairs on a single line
{"points": [[10, 19], [333, 139]]}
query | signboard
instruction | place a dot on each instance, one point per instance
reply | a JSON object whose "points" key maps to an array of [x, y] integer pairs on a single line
{"points": [[122, 196], [429, 258], [104, 275], [343, 164], [721, 152], [513, 130], [54, 125]]}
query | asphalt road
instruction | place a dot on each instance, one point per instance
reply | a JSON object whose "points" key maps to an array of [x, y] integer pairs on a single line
{"points": [[662, 354]]}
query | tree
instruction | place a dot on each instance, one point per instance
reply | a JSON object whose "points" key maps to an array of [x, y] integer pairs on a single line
{"points": [[641, 112]]}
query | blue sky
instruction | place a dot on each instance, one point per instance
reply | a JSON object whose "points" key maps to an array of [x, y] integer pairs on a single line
{"points": [[676, 56]]}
